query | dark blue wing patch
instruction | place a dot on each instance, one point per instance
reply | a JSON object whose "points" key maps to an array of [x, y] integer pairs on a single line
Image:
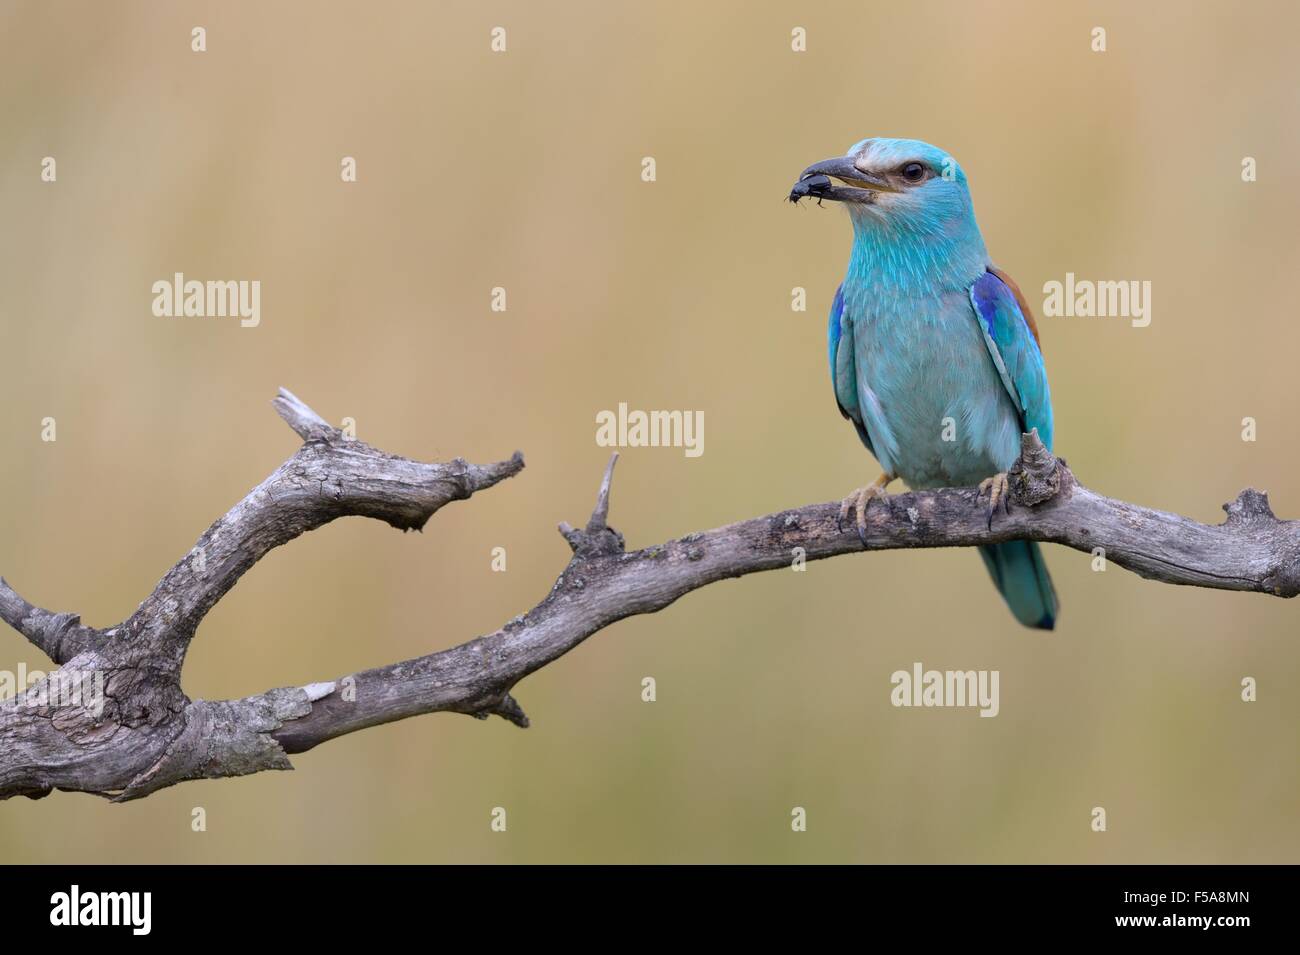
{"points": [[1013, 346]]}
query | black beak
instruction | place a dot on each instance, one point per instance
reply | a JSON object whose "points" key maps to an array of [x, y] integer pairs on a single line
{"points": [[815, 182]]}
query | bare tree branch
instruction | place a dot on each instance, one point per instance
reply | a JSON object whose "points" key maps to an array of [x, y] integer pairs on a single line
{"points": [[149, 735], [60, 636], [329, 477]]}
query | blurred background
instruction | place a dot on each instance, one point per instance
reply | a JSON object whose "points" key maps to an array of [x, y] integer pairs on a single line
{"points": [[522, 170]]}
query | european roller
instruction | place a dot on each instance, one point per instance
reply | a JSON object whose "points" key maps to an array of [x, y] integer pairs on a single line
{"points": [[934, 353]]}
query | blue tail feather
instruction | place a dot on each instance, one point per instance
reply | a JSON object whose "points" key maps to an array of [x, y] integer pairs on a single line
{"points": [[1020, 574]]}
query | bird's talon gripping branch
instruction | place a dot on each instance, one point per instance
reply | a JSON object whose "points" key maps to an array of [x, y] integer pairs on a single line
{"points": [[858, 502], [998, 489]]}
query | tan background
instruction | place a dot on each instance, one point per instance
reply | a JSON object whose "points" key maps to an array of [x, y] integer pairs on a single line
{"points": [[522, 170]]}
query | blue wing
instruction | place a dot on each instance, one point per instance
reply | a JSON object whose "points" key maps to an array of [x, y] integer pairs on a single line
{"points": [[1012, 340], [843, 375], [1017, 567], [856, 399]]}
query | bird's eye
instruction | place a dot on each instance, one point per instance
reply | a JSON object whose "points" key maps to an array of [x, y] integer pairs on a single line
{"points": [[913, 172]]}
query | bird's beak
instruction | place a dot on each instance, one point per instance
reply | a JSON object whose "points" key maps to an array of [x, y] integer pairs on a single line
{"points": [[815, 182]]}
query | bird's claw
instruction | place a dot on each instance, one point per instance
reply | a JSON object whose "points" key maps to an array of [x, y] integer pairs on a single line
{"points": [[997, 487], [858, 501]]}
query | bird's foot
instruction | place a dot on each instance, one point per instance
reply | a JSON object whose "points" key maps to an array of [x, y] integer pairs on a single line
{"points": [[997, 488], [858, 502]]}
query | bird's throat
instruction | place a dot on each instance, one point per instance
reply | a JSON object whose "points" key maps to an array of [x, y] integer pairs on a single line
{"points": [[899, 259]]}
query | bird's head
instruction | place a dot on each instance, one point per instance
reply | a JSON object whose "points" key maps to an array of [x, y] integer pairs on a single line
{"points": [[892, 184]]}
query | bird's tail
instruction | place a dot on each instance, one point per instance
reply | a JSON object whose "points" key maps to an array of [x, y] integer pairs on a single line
{"points": [[1019, 573]]}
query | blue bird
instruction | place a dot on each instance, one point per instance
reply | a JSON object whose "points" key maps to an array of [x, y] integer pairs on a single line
{"points": [[934, 352]]}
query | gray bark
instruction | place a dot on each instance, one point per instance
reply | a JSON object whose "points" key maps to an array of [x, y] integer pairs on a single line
{"points": [[150, 735]]}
